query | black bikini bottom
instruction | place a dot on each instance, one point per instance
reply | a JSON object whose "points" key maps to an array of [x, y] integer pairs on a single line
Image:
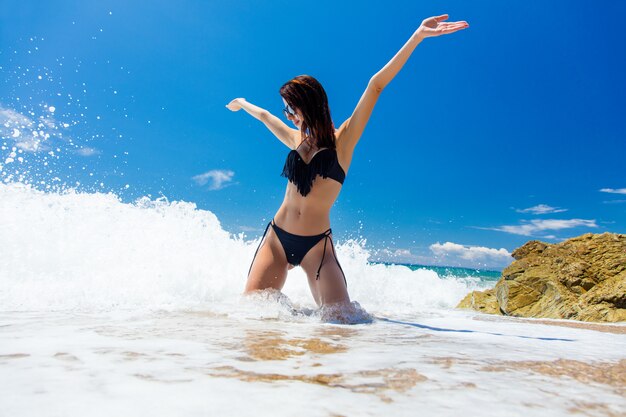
{"points": [[296, 246]]}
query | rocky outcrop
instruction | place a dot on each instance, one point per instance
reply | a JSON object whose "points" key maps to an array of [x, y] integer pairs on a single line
{"points": [[583, 278]]}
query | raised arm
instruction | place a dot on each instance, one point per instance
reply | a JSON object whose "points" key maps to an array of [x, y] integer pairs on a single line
{"points": [[351, 130], [283, 132]]}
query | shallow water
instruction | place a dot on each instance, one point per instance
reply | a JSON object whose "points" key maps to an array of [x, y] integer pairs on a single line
{"points": [[200, 363]]}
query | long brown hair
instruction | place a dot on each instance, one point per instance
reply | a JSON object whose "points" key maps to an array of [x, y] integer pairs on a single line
{"points": [[306, 94]]}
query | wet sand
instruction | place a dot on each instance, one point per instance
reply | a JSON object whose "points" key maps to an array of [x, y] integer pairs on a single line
{"points": [[616, 328]]}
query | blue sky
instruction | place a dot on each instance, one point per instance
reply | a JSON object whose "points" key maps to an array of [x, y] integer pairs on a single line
{"points": [[511, 130]]}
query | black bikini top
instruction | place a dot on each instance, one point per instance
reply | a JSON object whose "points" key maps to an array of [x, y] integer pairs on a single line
{"points": [[302, 175]]}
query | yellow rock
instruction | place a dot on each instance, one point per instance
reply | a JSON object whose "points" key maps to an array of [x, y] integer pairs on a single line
{"points": [[583, 278], [484, 301]]}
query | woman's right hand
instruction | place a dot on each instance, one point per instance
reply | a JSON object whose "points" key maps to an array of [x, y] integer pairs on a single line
{"points": [[235, 105]]}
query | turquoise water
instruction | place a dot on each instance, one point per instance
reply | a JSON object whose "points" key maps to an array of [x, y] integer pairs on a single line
{"points": [[456, 272]]}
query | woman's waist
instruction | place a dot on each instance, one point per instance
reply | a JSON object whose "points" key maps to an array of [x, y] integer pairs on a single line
{"points": [[302, 221]]}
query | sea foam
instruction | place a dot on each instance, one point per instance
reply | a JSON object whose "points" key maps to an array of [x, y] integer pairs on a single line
{"points": [[91, 251]]}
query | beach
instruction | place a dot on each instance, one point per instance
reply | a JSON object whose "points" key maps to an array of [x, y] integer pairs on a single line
{"points": [[202, 363], [136, 309]]}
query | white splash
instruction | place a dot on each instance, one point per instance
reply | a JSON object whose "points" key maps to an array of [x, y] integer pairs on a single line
{"points": [[90, 251]]}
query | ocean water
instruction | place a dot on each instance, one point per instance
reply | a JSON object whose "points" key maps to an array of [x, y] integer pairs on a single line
{"points": [[113, 308]]}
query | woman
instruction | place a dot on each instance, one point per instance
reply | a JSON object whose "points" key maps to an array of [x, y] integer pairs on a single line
{"points": [[316, 167]]}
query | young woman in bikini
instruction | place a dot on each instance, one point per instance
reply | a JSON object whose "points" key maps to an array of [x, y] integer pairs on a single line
{"points": [[316, 167]]}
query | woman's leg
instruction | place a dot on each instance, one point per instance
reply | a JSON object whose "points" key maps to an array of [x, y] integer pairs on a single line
{"points": [[269, 266], [331, 287]]}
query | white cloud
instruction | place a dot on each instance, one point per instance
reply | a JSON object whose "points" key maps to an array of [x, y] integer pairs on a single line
{"points": [[29, 145], [216, 178], [541, 209], [614, 190], [470, 253], [10, 119], [29, 134], [87, 151], [447, 254], [529, 228]]}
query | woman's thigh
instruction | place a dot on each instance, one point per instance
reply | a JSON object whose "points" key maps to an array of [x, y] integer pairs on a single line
{"points": [[330, 288], [269, 267]]}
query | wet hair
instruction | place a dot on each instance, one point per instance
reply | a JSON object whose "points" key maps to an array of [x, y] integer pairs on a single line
{"points": [[306, 94]]}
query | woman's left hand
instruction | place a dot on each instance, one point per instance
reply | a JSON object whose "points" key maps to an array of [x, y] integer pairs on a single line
{"points": [[435, 26]]}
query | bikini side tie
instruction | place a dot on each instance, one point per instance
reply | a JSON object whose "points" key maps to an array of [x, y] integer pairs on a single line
{"points": [[259, 247], [326, 237], [332, 246]]}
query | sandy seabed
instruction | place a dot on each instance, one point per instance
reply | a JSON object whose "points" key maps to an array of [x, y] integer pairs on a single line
{"points": [[439, 363]]}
